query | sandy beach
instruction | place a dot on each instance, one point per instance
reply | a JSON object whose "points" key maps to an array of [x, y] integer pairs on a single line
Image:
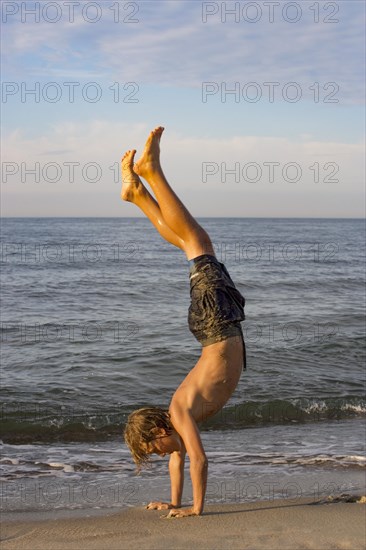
{"points": [[263, 525]]}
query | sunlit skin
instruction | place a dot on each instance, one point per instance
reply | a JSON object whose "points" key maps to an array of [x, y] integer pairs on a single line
{"points": [[164, 443], [211, 382]]}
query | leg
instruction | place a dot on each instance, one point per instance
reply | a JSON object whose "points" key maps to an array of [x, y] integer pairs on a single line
{"points": [[133, 190], [181, 222]]}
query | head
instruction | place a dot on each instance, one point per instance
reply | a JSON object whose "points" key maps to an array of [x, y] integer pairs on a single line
{"points": [[149, 430]]}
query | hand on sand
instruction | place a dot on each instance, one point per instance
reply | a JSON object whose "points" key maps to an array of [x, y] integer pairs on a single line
{"points": [[159, 506], [181, 513]]}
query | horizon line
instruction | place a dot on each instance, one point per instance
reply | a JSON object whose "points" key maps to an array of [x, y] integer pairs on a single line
{"points": [[202, 217]]}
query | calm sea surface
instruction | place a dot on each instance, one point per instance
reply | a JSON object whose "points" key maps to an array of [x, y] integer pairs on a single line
{"points": [[94, 325]]}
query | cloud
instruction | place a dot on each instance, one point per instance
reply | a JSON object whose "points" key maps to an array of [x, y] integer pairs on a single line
{"points": [[170, 45], [271, 176]]}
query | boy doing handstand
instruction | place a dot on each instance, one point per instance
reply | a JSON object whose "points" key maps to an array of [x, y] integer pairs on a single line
{"points": [[214, 317]]}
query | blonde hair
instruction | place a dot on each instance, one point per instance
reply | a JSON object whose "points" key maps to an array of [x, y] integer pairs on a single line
{"points": [[139, 431]]}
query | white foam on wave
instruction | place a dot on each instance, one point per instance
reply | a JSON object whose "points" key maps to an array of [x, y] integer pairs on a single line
{"points": [[14, 461], [355, 458], [61, 466], [338, 460], [360, 409], [321, 407]]}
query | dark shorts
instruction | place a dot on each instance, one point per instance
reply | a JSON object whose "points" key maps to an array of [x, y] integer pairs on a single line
{"points": [[217, 307]]}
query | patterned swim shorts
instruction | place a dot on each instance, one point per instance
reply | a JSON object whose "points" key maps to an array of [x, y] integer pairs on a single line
{"points": [[217, 307]]}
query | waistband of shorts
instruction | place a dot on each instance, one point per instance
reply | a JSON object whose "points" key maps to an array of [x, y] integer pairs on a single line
{"points": [[202, 259]]}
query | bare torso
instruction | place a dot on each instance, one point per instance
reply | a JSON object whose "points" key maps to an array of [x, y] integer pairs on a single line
{"points": [[211, 382]]}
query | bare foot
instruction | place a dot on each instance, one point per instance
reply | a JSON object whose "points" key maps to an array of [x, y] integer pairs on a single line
{"points": [[149, 162], [131, 183]]}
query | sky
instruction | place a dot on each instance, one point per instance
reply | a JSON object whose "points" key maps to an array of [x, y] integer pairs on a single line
{"points": [[262, 104]]}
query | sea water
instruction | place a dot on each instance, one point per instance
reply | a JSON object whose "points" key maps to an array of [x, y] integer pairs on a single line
{"points": [[94, 325]]}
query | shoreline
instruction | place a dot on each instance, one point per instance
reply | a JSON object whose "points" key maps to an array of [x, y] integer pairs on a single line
{"points": [[274, 524]]}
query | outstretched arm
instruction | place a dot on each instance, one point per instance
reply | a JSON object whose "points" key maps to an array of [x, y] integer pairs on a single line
{"points": [[176, 471], [188, 430]]}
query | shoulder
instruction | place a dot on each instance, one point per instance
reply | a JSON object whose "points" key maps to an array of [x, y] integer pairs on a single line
{"points": [[186, 426]]}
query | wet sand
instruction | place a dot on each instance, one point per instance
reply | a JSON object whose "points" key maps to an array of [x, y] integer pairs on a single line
{"points": [[262, 525]]}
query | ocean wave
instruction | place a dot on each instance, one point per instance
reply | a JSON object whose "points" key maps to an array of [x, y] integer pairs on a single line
{"points": [[22, 425], [74, 468], [279, 411]]}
